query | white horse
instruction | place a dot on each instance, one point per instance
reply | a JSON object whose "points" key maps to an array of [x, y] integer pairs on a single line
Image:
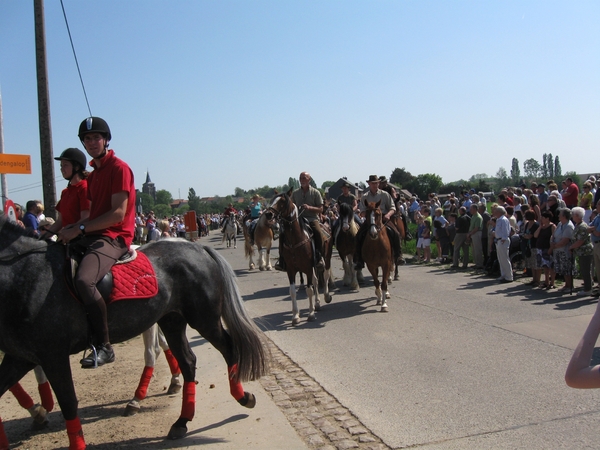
{"points": [[230, 232], [154, 341]]}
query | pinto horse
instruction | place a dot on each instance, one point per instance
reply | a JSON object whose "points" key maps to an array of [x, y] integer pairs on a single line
{"points": [[230, 230], [296, 247], [377, 252], [42, 324], [263, 238], [345, 242]]}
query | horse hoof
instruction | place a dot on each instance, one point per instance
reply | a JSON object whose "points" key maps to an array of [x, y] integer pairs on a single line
{"points": [[295, 321], [261, 268], [131, 410], [248, 400], [177, 432], [387, 295], [384, 308], [40, 420], [174, 388], [311, 318], [269, 268], [327, 298], [396, 278], [251, 266], [318, 306]]}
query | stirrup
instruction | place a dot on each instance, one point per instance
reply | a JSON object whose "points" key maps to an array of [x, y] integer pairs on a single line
{"points": [[93, 353]]}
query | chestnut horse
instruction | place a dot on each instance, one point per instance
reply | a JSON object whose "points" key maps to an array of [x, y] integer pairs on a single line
{"points": [[377, 252], [263, 239], [296, 247]]}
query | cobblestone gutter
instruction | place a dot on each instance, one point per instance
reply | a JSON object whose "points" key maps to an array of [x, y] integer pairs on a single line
{"points": [[321, 421]]}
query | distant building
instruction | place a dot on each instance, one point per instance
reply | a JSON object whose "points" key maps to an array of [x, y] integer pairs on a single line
{"points": [[335, 190], [148, 187]]}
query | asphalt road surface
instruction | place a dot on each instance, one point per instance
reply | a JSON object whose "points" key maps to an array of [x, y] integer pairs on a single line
{"points": [[459, 361]]}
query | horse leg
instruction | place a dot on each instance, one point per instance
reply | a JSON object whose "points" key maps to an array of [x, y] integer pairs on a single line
{"points": [[312, 287], [175, 385], [268, 261], [352, 272], [37, 412], [173, 326], [151, 351], [327, 278], [295, 311], [261, 258], [235, 238], [384, 286], [375, 274], [58, 371], [44, 389]]}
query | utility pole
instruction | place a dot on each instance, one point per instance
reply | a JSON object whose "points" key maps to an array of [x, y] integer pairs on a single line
{"points": [[2, 176], [48, 186]]}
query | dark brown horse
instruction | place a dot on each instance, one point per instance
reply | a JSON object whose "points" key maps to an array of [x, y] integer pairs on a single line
{"points": [[296, 248], [397, 222], [345, 242], [377, 252]]}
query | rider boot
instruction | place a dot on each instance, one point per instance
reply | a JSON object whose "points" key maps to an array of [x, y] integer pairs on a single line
{"points": [[104, 352], [318, 240], [280, 264], [395, 240], [360, 239]]}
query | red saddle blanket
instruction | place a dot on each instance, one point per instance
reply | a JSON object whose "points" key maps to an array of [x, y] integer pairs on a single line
{"points": [[134, 280]]}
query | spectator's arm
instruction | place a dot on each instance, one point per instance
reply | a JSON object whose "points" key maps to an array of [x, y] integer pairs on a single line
{"points": [[579, 373]]}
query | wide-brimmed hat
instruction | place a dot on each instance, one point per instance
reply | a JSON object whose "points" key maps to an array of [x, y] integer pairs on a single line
{"points": [[383, 179], [346, 184], [46, 222], [373, 179]]}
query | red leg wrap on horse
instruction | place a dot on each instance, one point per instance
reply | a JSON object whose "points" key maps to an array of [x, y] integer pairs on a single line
{"points": [[22, 397], [235, 387], [75, 433], [188, 407], [142, 389], [46, 396], [4, 444], [173, 364]]}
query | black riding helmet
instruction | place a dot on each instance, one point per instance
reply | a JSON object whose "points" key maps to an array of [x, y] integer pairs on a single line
{"points": [[75, 156], [94, 125]]}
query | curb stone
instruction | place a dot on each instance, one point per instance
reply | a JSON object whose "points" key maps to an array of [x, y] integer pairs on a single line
{"points": [[318, 418]]}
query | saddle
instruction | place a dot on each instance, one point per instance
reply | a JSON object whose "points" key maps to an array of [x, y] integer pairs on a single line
{"points": [[132, 277]]}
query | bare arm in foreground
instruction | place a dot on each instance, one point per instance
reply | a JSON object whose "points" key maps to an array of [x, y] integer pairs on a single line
{"points": [[579, 373]]}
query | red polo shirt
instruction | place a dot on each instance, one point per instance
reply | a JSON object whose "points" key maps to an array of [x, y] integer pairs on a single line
{"points": [[73, 200], [112, 177], [571, 195]]}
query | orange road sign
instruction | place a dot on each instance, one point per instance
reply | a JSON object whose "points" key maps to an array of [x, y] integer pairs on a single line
{"points": [[15, 163]]}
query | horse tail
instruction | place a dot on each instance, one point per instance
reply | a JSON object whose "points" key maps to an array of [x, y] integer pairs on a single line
{"points": [[251, 353], [248, 250]]}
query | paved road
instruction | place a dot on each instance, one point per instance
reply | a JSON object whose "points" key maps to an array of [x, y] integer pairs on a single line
{"points": [[458, 362]]}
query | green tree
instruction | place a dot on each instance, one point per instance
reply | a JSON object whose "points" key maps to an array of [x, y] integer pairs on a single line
{"points": [[501, 178], [550, 165], [162, 210], [163, 197], [293, 183], [532, 168], [402, 177], [327, 184], [193, 200], [557, 168], [147, 202], [515, 172], [427, 183], [544, 172]]}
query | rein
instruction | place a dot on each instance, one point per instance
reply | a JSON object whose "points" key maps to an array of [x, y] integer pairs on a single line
{"points": [[289, 222]]}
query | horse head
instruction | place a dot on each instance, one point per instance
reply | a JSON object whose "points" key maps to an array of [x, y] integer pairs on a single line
{"points": [[374, 217], [346, 216], [283, 207]]}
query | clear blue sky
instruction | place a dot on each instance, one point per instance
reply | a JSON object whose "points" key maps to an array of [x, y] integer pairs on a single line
{"points": [[222, 94]]}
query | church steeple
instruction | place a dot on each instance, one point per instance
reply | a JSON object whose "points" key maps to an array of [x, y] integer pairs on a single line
{"points": [[148, 177], [148, 187]]}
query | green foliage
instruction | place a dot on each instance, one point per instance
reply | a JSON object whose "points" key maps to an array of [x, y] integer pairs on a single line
{"points": [[161, 210], [574, 177], [403, 178], [532, 168], [515, 172], [557, 168], [550, 165], [163, 197], [427, 183], [193, 200], [327, 184], [147, 202]]}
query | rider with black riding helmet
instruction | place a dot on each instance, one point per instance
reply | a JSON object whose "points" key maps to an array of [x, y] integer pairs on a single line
{"points": [[106, 234], [74, 205]]}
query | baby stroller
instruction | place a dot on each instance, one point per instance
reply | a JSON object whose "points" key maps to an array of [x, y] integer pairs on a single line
{"points": [[517, 259]]}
